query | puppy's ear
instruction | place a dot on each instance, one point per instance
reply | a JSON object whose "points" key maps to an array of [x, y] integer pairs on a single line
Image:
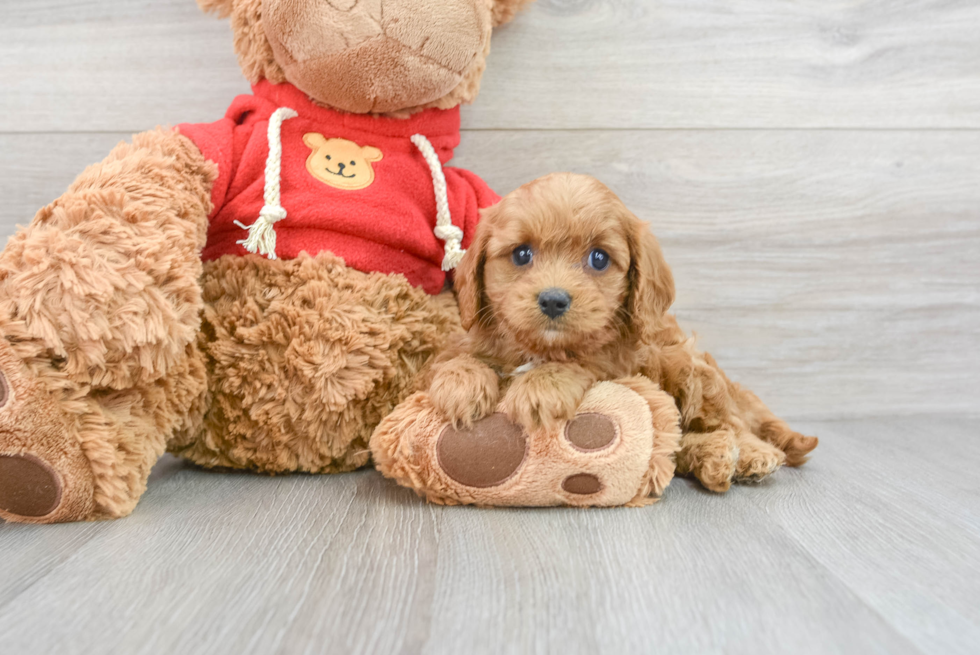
{"points": [[651, 284], [468, 278]]}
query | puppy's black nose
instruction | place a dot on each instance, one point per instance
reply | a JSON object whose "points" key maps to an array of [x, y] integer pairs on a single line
{"points": [[554, 302]]}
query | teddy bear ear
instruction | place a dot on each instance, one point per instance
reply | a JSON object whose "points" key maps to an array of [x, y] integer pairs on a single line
{"points": [[504, 10], [220, 7]]}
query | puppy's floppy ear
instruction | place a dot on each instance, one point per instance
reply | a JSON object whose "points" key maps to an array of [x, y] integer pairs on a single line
{"points": [[651, 284], [468, 278]]}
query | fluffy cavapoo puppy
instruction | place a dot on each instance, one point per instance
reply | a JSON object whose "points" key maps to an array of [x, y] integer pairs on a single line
{"points": [[562, 287]]}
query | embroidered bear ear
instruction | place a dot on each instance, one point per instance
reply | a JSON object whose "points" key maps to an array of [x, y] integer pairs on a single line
{"points": [[314, 140], [371, 153]]}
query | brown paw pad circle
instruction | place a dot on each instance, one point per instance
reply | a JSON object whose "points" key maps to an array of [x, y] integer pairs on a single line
{"points": [[28, 486], [582, 484], [590, 432], [486, 455]]}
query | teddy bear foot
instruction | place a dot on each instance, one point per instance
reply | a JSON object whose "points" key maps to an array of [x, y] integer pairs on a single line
{"points": [[493, 450], [602, 457], [44, 475]]}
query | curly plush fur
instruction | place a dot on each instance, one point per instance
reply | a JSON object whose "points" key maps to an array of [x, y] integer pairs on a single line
{"points": [[304, 358], [615, 327]]}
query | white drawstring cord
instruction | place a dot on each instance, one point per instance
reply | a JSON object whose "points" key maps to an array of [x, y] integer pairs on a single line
{"points": [[445, 230], [261, 237], [262, 233]]}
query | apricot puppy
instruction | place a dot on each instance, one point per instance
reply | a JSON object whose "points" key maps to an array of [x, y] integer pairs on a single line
{"points": [[563, 287]]}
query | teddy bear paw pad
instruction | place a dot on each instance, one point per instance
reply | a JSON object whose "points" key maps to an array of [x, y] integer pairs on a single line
{"points": [[485, 455], [29, 487], [582, 484], [44, 475], [591, 432]]}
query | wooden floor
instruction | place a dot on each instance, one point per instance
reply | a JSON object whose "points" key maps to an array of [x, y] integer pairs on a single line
{"points": [[813, 171], [873, 547]]}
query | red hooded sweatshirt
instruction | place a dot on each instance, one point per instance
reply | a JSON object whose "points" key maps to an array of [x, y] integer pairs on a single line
{"points": [[352, 184]]}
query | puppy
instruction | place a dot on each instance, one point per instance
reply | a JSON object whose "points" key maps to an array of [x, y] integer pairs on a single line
{"points": [[563, 287]]}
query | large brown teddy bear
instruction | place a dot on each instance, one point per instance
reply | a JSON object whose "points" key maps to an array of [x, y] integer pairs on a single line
{"points": [[255, 293]]}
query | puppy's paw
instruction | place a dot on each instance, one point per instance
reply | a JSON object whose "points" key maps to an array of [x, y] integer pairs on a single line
{"points": [[464, 390], [546, 396], [756, 460], [711, 457]]}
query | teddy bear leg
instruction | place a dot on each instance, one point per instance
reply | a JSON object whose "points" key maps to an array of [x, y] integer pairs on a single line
{"points": [[667, 428], [99, 314], [613, 452]]}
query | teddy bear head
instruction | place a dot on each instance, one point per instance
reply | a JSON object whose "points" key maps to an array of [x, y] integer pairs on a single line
{"points": [[368, 56]]}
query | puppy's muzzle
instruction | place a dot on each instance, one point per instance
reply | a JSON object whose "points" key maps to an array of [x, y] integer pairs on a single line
{"points": [[554, 302]]}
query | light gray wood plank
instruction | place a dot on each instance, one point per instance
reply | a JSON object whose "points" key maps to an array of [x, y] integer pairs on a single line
{"points": [[699, 574], [125, 65], [213, 563], [873, 546], [709, 64], [131, 64], [834, 273], [27, 556], [892, 506]]}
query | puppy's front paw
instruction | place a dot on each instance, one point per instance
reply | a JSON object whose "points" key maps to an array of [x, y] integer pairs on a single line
{"points": [[710, 457], [546, 396], [464, 390]]}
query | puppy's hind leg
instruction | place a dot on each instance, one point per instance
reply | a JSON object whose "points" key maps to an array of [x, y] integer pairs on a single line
{"points": [[772, 429], [757, 459]]}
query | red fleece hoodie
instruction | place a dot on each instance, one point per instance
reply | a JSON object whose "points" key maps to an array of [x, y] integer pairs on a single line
{"points": [[385, 225]]}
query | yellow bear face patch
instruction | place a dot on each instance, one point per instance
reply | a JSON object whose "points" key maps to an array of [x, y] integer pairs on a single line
{"points": [[340, 163]]}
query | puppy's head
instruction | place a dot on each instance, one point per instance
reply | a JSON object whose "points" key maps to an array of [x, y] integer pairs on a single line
{"points": [[560, 265]]}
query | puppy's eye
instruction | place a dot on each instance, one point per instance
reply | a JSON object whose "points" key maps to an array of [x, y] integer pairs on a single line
{"points": [[353, 163], [329, 158], [522, 255], [599, 259]]}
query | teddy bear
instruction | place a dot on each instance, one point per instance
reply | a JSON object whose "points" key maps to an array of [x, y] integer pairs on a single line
{"points": [[254, 293]]}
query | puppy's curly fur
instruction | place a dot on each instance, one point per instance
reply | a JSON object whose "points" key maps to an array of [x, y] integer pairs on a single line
{"points": [[615, 327]]}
